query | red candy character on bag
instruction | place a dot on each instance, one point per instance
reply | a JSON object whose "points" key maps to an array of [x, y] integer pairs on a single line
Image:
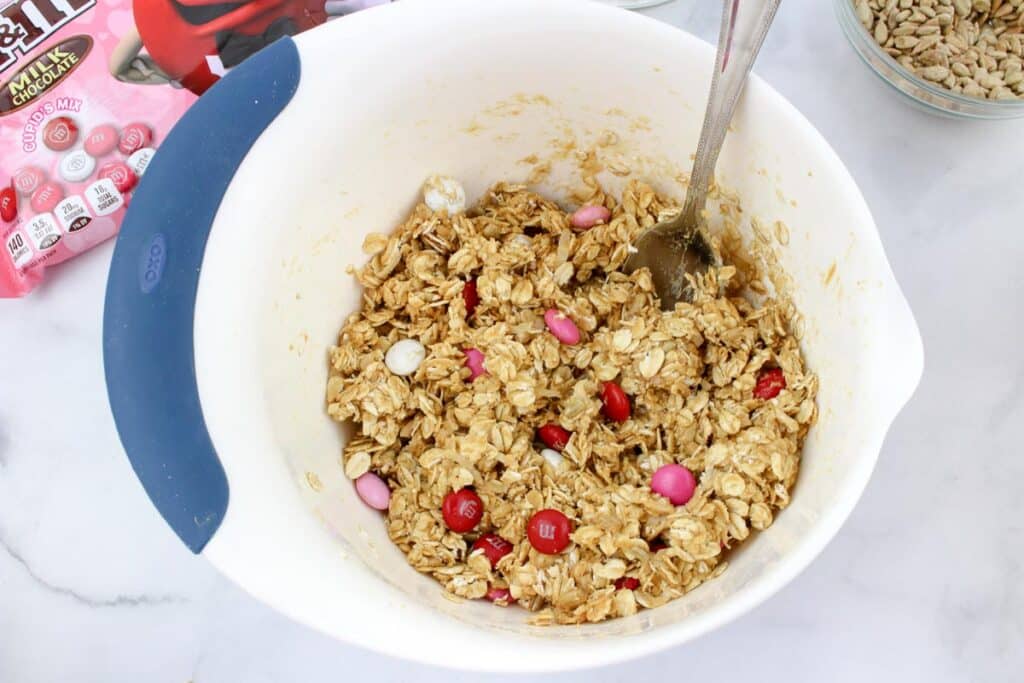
{"points": [[192, 43]]}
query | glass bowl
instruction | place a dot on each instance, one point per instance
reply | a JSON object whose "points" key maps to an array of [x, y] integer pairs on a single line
{"points": [[929, 96]]}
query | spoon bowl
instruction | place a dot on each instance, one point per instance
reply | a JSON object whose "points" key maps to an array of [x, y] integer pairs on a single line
{"points": [[678, 249], [671, 250]]}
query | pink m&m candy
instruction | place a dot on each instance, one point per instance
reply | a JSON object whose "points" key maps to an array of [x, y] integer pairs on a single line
{"points": [[101, 140], [675, 482], [120, 174], [475, 363], [373, 491], [134, 137], [588, 216], [60, 133], [562, 327], [28, 179], [46, 197], [499, 596]]}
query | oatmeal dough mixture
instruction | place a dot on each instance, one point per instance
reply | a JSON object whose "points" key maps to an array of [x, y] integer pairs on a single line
{"points": [[538, 431]]}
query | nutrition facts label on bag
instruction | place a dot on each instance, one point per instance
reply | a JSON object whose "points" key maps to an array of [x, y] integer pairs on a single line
{"points": [[72, 214], [103, 197], [43, 231], [18, 249]]}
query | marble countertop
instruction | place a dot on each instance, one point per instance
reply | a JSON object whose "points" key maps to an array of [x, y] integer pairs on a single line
{"points": [[923, 582]]}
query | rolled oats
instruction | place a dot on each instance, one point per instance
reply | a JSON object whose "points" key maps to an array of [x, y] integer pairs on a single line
{"points": [[689, 374]]}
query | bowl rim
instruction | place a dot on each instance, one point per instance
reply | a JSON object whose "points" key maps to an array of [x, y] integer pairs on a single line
{"points": [[588, 653], [872, 54]]}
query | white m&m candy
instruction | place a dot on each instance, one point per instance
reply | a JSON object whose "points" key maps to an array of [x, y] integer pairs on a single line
{"points": [[139, 161], [76, 167], [404, 357], [554, 458], [442, 193]]}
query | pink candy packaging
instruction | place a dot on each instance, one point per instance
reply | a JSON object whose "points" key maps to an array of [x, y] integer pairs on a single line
{"points": [[73, 138], [89, 88]]}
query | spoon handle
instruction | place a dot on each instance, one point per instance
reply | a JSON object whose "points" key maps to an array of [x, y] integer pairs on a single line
{"points": [[744, 26]]}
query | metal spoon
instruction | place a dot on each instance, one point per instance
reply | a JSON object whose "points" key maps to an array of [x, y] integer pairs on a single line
{"points": [[677, 247]]}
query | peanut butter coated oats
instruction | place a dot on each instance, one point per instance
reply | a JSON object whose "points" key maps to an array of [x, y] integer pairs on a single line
{"points": [[718, 387]]}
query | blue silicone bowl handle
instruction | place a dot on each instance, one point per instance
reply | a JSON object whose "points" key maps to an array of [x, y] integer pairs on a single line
{"points": [[151, 292]]}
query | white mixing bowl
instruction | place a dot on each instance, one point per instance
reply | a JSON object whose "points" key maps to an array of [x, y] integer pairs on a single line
{"points": [[216, 350]]}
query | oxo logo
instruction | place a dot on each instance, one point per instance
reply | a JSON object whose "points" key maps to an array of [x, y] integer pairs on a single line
{"points": [[152, 260]]}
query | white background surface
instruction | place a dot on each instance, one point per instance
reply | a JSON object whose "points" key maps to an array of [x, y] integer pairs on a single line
{"points": [[923, 583]]}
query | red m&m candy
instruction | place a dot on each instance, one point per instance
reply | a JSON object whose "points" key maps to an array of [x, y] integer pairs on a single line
{"points": [[120, 174], [470, 297], [616, 403], [629, 583], [134, 137], [493, 546], [101, 141], [770, 383], [462, 510], [60, 133], [8, 205], [46, 197], [553, 436], [548, 531]]}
